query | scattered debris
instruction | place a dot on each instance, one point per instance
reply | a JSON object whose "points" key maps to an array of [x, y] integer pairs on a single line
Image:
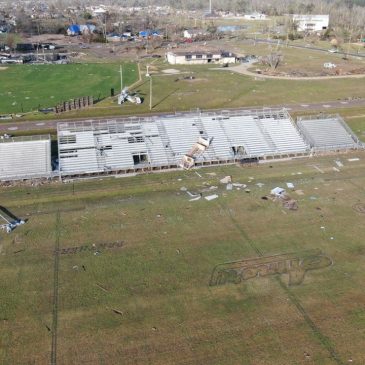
{"points": [[11, 222], [313, 198], [183, 188], [278, 192], [229, 187], [238, 185], [226, 180], [299, 192], [264, 198], [116, 311], [338, 163], [198, 174], [101, 287], [260, 185], [211, 197], [195, 199], [318, 169], [211, 173], [290, 185], [188, 160], [290, 204], [335, 169], [353, 159], [15, 252], [75, 267]]}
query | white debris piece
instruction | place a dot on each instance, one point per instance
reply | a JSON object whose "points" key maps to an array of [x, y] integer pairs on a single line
{"points": [[353, 159], [238, 185], [183, 188], [260, 185], [211, 197], [290, 185], [226, 180], [338, 163], [278, 191], [335, 169], [195, 199], [198, 174], [229, 187], [192, 195]]}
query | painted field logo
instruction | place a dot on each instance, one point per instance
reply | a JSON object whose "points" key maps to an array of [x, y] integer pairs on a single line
{"points": [[293, 264]]}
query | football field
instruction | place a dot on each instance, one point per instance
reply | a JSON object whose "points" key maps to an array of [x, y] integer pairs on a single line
{"points": [[133, 270]]}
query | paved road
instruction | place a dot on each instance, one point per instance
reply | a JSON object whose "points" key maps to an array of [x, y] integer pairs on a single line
{"points": [[9, 127], [243, 70]]}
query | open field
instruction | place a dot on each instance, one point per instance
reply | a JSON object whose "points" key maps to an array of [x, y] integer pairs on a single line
{"points": [[145, 297], [28, 87], [213, 88]]}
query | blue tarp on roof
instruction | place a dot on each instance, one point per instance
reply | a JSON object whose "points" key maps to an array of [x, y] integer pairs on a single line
{"points": [[77, 28], [147, 33], [74, 28]]}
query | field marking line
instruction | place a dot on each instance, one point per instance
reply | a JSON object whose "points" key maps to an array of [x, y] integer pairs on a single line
{"points": [[55, 290], [139, 78], [324, 340]]}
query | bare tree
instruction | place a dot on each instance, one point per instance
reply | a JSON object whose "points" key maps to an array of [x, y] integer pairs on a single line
{"points": [[273, 60]]}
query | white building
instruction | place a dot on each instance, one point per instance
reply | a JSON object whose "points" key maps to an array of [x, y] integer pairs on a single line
{"points": [[193, 33], [311, 23], [255, 16], [200, 58]]}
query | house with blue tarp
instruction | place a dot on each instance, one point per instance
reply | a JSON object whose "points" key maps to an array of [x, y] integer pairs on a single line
{"points": [[149, 33], [77, 29]]}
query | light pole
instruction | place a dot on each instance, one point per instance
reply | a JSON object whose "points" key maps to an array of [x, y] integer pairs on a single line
{"points": [[150, 92], [121, 78]]}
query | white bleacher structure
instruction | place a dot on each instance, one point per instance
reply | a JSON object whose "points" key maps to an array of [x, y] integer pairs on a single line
{"points": [[25, 157], [328, 133], [138, 144]]}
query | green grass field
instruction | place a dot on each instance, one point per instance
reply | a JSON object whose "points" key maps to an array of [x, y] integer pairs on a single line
{"points": [[27, 87], [149, 302]]}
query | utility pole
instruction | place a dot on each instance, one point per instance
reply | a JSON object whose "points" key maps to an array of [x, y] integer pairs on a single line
{"points": [[150, 92]]}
